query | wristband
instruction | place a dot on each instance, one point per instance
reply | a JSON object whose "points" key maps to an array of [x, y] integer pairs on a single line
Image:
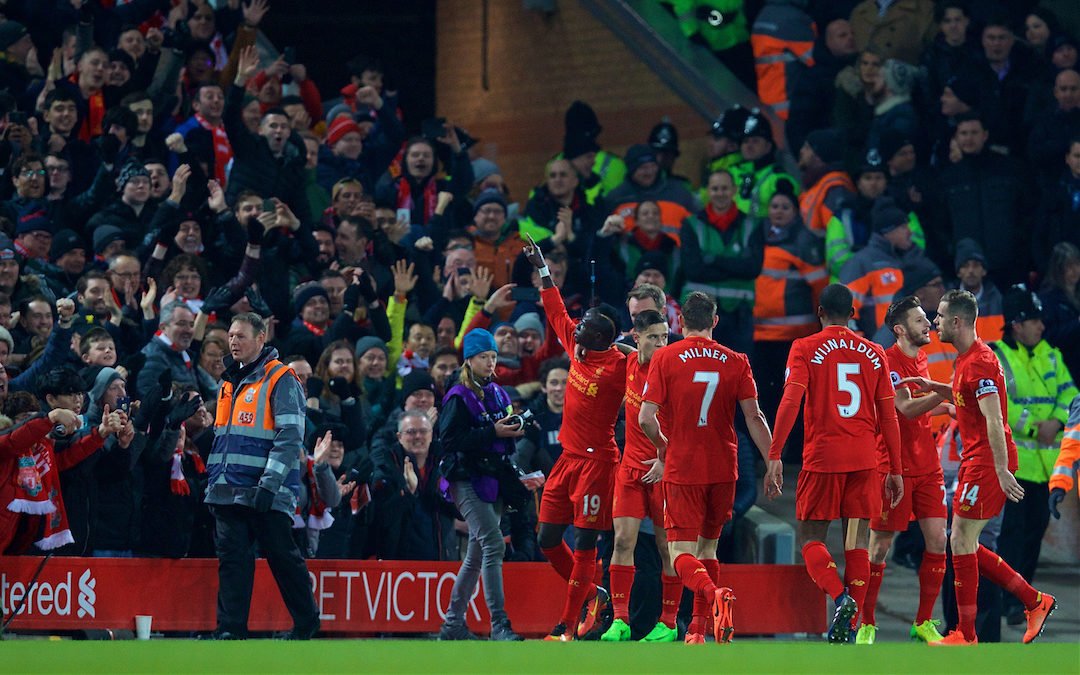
{"points": [[544, 272]]}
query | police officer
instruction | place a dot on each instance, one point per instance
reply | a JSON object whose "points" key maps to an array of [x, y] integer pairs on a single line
{"points": [[758, 175], [254, 481], [1040, 391]]}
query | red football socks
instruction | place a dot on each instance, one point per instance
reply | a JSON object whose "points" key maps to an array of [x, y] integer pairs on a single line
{"points": [[822, 569], [966, 571], [694, 575], [579, 586], [712, 566], [877, 570], [672, 595], [931, 572], [561, 559], [857, 574], [622, 580], [997, 570]]}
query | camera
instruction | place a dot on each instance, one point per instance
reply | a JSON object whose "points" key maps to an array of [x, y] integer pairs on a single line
{"points": [[519, 421]]}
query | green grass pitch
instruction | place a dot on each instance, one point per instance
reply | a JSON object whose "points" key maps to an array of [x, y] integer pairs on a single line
{"points": [[418, 656]]}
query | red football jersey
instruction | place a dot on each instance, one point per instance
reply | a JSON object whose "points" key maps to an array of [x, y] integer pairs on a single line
{"points": [[844, 376], [638, 447], [697, 382], [918, 454], [979, 374], [594, 390]]}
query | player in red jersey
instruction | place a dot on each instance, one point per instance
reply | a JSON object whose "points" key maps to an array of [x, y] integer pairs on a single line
{"points": [[695, 384], [579, 489], [639, 495], [848, 399], [924, 487], [987, 465]]}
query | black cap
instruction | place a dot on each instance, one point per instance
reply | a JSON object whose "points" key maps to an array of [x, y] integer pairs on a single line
{"points": [[637, 155], [886, 215], [652, 260], [414, 382], [1020, 304], [664, 136], [827, 144], [917, 275], [968, 249], [871, 162], [63, 242], [756, 124]]}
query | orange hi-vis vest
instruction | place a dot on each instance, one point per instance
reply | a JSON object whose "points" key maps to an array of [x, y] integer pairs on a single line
{"points": [[244, 433], [786, 293], [1068, 461], [781, 37], [819, 204]]}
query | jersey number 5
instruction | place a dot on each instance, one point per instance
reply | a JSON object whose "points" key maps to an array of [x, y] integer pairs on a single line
{"points": [[712, 381], [843, 370]]}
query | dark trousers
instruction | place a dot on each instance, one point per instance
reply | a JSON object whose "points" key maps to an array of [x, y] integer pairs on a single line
{"points": [[1022, 529], [238, 529]]}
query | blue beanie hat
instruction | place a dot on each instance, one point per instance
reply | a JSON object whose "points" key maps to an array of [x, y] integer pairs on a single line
{"points": [[479, 340]]}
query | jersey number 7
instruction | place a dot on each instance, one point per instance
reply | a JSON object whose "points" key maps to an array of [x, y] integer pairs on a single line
{"points": [[712, 381]]}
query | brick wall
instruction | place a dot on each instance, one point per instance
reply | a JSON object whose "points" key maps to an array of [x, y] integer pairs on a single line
{"points": [[537, 65]]}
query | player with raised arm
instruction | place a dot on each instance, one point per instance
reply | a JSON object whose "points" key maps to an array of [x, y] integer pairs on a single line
{"points": [[695, 385], [987, 465], [849, 397], [579, 489], [924, 487], [639, 495]]}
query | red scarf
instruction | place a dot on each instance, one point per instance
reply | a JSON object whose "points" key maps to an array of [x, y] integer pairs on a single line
{"points": [[91, 126], [169, 343], [313, 328], [37, 492], [405, 199], [223, 153], [721, 221], [645, 243], [318, 516], [177, 481]]}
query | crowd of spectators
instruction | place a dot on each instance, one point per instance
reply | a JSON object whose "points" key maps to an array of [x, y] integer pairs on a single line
{"points": [[162, 175]]}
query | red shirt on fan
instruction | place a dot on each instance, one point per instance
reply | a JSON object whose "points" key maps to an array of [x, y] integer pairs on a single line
{"points": [[978, 374], [638, 446], [697, 382], [844, 376], [918, 454], [594, 390]]}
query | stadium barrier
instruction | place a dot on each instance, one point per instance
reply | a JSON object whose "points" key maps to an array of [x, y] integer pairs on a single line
{"points": [[355, 597]]}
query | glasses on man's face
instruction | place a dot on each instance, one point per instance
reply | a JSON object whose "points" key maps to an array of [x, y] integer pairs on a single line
{"points": [[415, 432], [32, 173]]}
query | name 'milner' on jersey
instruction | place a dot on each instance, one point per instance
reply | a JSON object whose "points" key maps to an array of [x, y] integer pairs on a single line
{"points": [[844, 376], [697, 383]]}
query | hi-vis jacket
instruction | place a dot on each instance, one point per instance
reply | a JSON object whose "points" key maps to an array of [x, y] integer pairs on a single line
{"points": [[1068, 461], [1039, 388], [792, 277], [258, 436]]}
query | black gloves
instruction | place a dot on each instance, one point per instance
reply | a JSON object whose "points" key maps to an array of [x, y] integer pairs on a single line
{"points": [[181, 410], [342, 387], [367, 288], [314, 387], [167, 235], [258, 305], [255, 231], [218, 300], [264, 499], [164, 381], [351, 300], [1056, 496]]}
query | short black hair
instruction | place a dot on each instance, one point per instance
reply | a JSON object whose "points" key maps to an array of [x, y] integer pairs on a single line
{"points": [[899, 308], [962, 304], [970, 116], [561, 362], [276, 110], [836, 301], [941, 7], [646, 318], [59, 94], [60, 381]]}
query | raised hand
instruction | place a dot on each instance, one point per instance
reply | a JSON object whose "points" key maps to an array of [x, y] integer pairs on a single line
{"points": [[404, 279], [247, 65], [179, 183], [322, 448], [499, 299], [254, 12], [533, 254], [64, 417], [216, 200], [481, 284]]}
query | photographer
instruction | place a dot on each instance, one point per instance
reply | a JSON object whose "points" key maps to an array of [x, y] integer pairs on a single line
{"points": [[477, 435]]}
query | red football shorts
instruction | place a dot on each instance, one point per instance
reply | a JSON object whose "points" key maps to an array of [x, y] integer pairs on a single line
{"points": [[634, 499], [924, 497], [978, 493], [692, 511], [579, 491], [828, 496]]}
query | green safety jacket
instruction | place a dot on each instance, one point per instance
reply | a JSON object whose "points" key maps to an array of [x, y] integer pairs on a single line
{"points": [[724, 265], [840, 239], [1039, 388], [720, 23]]}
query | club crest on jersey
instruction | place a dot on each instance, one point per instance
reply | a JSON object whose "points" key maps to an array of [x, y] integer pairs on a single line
{"points": [[888, 277], [986, 386], [249, 397]]}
